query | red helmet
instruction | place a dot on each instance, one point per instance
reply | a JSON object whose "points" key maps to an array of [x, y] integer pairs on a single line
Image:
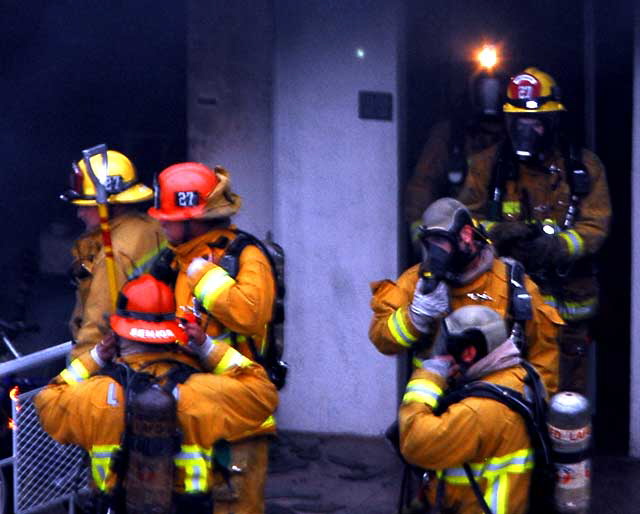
{"points": [[146, 311], [191, 190]]}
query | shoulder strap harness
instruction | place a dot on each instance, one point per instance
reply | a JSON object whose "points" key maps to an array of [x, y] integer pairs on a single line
{"points": [[230, 261], [533, 410]]}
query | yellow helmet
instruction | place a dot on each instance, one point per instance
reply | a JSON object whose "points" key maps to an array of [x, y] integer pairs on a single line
{"points": [[117, 173], [532, 91]]}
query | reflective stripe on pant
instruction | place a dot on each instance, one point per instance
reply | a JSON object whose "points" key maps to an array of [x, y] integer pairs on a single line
{"points": [[246, 495]]}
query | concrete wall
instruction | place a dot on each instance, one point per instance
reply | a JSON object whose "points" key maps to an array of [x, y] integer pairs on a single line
{"points": [[333, 197], [336, 191], [229, 88]]}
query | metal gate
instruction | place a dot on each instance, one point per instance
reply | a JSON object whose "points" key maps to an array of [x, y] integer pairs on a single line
{"points": [[46, 474]]}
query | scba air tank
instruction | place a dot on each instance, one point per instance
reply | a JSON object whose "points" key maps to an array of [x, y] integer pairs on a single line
{"points": [[152, 446], [569, 424]]}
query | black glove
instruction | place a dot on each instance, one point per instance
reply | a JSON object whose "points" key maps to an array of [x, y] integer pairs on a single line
{"points": [[544, 251], [506, 234]]}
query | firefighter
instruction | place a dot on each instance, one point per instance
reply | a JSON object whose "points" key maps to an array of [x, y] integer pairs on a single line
{"points": [[135, 238], [545, 202], [481, 432], [460, 268], [85, 404], [443, 161], [194, 204]]}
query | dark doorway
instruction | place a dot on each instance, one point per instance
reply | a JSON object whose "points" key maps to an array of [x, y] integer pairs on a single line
{"points": [[73, 75], [442, 37]]}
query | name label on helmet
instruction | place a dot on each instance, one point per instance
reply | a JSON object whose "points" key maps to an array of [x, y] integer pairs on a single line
{"points": [[187, 198], [151, 334]]}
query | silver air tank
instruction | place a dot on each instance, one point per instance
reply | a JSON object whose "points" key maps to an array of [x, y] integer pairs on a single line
{"points": [[569, 425]]}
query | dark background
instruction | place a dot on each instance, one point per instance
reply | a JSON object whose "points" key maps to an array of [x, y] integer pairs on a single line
{"points": [[74, 74]]}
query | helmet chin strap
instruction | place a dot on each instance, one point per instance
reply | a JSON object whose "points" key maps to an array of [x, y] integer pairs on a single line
{"points": [[187, 233]]}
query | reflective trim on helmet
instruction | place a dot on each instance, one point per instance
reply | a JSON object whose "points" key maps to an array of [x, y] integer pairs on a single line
{"points": [[531, 103], [231, 358], [399, 330], [422, 391], [574, 241], [551, 106], [573, 311], [101, 457], [511, 207], [75, 372], [211, 285], [196, 463]]}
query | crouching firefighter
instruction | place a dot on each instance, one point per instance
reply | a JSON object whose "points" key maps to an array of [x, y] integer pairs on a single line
{"points": [[231, 281], [150, 410], [455, 421]]}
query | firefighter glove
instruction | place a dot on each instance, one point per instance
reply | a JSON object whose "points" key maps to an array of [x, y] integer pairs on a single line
{"points": [[542, 252], [426, 308], [198, 268], [440, 366], [506, 234]]}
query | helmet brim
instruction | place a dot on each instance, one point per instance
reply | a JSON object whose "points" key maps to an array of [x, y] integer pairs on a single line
{"points": [[135, 194], [152, 332], [546, 107], [184, 214]]}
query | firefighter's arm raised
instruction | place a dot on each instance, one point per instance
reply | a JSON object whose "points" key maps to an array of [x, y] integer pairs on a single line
{"points": [[430, 441], [243, 304], [402, 315]]}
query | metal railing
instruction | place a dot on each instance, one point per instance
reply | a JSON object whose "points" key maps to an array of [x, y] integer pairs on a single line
{"points": [[45, 473]]}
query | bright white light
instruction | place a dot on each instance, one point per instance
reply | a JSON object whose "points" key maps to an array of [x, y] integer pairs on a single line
{"points": [[531, 104], [360, 53], [488, 56]]}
